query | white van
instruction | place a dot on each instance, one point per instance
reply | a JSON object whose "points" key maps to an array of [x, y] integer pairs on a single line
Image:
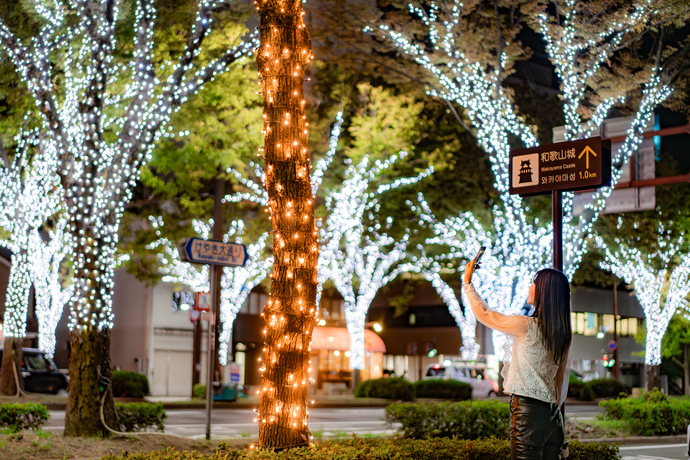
{"points": [[473, 373]]}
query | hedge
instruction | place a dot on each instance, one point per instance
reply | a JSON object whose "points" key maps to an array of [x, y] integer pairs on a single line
{"points": [[377, 449], [199, 390], [599, 388], [443, 389], [130, 384], [18, 417], [386, 388], [141, 416], [465, 420], [607, 388], [652, 414]]}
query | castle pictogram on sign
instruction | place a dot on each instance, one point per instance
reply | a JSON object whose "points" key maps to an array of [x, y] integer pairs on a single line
{"points": [[525, 172]]}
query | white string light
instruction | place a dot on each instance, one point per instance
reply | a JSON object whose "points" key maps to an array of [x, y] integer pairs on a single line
{"points": [[361, 260], [236, 282], [98, 173], [661, 280], [516, 249], [30, 193]]}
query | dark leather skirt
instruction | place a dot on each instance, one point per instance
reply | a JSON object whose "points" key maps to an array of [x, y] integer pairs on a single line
{"points": [[536, 430]]}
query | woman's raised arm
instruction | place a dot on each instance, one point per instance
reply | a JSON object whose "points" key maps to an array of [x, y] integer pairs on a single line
{"points": [[513, 325]]}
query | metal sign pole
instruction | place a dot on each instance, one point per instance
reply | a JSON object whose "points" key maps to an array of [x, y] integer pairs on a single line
{"points": [[557, 219], [210, 361], [557, 223]]}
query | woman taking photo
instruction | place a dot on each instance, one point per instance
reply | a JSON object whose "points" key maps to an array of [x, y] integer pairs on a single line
{"points": [[537, 377]]}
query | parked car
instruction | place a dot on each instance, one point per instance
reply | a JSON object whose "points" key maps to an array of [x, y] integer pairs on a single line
{"points": [[474, 374], [40, 373], [580, 376]]}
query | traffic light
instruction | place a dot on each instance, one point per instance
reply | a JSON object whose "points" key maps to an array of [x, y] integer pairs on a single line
{"points": [[608, 361], [430, 348]]}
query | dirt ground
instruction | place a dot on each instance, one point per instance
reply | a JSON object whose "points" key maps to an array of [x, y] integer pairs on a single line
{"points": [[48, 446]]}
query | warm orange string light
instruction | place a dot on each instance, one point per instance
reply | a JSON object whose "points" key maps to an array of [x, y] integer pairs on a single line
{"points": [[289, 314]]}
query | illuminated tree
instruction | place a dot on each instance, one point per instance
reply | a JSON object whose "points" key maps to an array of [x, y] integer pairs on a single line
{"points": [[362, 259], [101, 119], [582, 41], [28, 197], [660, 275], [467, 65], [291, 310], [236, 282], [53, 291]]}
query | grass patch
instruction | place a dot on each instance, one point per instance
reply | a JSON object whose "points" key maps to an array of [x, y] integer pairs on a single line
{"points": [[35, 446], [318, 433], [340, 433], [598, 429], [245, 434]]}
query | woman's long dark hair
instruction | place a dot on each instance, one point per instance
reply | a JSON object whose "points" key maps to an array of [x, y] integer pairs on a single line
{"points": [[552, 309]]}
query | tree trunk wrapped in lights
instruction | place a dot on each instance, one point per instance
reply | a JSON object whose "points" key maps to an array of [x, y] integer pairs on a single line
{"points": [[290, 314]]}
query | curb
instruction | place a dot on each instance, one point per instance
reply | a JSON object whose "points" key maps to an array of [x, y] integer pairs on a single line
{"points": [[243, 405], [679, 439]]}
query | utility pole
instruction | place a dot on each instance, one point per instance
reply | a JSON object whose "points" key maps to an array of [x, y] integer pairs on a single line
{"points": [[616, 362], [196, 354], [686, 369], [216, 271]]}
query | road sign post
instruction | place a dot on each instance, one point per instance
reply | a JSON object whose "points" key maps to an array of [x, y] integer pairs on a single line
{"points": [[556, 168], [209, 371], [212, 252], [216, 254]]}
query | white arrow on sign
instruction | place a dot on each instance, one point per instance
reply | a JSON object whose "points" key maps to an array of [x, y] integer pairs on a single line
{"points": [[211, 252]]}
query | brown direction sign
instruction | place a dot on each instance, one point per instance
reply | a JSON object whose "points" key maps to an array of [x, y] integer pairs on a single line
{"points": [[567, 166]]}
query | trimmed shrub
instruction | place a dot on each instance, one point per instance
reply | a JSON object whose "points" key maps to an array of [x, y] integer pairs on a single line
{"points": [[586, 393], [464, 420], [130, 384], [362, 448], [443, 389], [199, 390], [386, 388], [18, 417], [607, 388], [141, 416], [652, 414], [574, 387]]}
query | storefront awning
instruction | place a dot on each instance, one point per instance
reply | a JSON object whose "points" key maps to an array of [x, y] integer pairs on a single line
{"points": [[337, 338]]}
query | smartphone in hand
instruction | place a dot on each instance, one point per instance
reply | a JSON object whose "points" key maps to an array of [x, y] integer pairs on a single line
{"points": [[478, 257]]}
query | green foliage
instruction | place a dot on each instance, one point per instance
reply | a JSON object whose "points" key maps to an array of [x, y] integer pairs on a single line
{"points": [[218, 128], [18, 417], [130, 384], [141, 416], [607, 388], [444, 389], [464, 420], [199, 390], [574, 388], [587, 393], [652, 414], [599, 388], [379, 449], [677, 337], [386, 388]]}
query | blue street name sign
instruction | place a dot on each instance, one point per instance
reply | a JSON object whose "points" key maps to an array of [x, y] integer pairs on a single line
{"points": [[211, 252]]}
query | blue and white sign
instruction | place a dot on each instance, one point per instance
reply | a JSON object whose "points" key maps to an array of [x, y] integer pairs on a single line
{"points": [[235, 373], [198, 251]]}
